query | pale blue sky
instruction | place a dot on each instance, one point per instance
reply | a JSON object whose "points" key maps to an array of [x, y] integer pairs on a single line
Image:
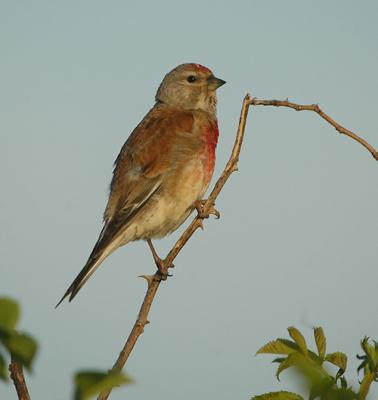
{"points": [[297, 241]]}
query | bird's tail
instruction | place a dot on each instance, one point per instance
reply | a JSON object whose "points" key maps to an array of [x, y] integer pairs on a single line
{"points": [[111, 237], [94, 261]]}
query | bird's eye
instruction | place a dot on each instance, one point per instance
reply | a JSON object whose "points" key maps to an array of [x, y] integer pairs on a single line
{"points": [[191, 78]]}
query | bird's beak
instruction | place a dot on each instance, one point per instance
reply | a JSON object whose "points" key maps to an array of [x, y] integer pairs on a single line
{"points": [[215, 83]]}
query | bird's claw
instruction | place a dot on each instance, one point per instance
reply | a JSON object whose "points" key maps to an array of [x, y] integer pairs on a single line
{"points": [[162, 268], [163, 275], [200, 207]]}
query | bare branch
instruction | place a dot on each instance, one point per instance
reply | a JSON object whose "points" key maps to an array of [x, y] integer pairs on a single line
{"points": [[318, 110], [17, 376], [154, 280]]}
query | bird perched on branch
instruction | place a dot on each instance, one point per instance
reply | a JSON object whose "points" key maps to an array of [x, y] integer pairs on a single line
{"points": [[163, 169]]}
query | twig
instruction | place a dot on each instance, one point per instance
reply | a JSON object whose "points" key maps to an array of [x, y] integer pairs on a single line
{"points": [[318, 110], [17, 376], [154, 280]]}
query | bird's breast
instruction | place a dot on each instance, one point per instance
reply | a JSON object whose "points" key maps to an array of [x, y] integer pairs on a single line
{"points": [[210, 137], [174, 202]]}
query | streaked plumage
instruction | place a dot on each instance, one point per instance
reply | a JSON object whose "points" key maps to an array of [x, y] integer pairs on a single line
{"points": [[164, 167]]}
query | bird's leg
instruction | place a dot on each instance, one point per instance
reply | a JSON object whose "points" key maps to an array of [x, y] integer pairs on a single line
{"points": [[158, 261], [199, 206], [162, 269]]}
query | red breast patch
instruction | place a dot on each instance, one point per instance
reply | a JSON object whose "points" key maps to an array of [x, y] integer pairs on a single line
{"points": [[211, 138]]}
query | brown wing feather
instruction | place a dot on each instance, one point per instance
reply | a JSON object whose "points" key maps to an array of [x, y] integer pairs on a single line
{"points": [[150, 152], [145, 157], [140, 168]]}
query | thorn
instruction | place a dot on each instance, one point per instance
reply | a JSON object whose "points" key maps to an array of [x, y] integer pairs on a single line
{"points": [[214, 211], [200, 205], [200, 224], [148, 278], [147, 322]]}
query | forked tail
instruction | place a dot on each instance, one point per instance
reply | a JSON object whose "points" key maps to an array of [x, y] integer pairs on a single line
{"points": [[90, 267], [112, 236]]}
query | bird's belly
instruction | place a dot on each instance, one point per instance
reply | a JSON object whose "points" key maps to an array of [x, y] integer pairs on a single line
{"points": [[170, 208]]}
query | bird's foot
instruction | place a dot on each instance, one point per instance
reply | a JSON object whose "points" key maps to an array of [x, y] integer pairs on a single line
{"points": [[202, 213], [162, 271], [162, 268], [163, 274]]}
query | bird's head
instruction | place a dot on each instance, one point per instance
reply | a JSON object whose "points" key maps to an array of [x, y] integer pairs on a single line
{"points": [[190, 87]]}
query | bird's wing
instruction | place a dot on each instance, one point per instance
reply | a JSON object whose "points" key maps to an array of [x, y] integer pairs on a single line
{"points": [[161, 144], [146, 158]]}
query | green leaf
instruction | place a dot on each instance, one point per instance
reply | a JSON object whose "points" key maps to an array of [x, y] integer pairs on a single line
{"points": [[343, 382], [279, 346], [339, 359], [345, 394], [290, 344], [9, 314], [320, 386], [293, 359], [278, 396], [279, 360], [3, 369], [371, 353], [332, 392], [363, 364], [314, 357], [22, 346], [298, 338], [91, 383], [320, 341]]}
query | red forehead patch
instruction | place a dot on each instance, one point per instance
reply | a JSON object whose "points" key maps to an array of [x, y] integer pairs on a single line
{"points": [[201, 68]]}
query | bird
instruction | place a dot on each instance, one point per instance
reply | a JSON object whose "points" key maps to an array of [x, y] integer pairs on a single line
{"points": [[164, 168]]}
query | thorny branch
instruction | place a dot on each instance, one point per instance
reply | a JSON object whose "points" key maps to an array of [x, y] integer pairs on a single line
{"points": [[17, 376], [153, 281]]}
